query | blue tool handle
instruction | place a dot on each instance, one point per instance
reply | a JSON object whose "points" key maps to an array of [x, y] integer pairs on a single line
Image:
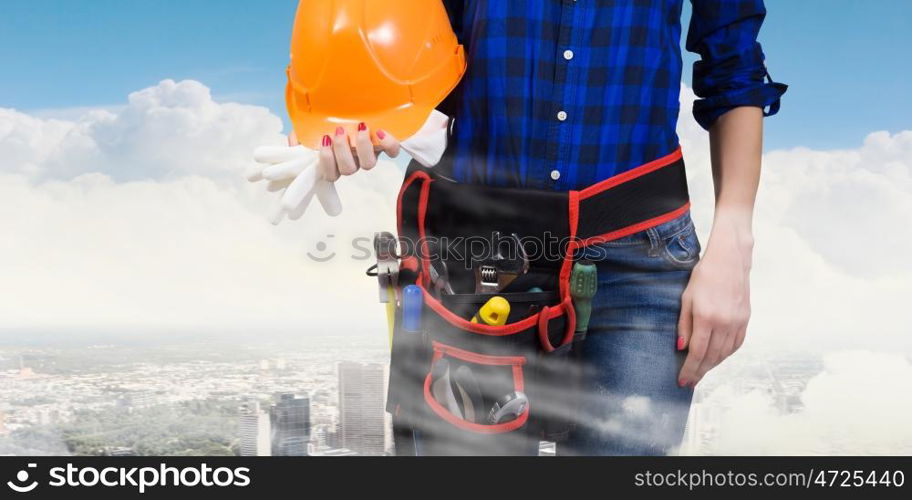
{"points": [[412, 302]]}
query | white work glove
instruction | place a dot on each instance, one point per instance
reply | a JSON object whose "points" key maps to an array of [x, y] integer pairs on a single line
{"points": [[427, 145], [293, 169]]}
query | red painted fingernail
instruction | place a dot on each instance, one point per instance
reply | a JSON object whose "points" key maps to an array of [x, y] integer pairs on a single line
{"points": [[340, 131], [680, 343], [381, 134], [681, 382], [327, 141], [362, 127]]}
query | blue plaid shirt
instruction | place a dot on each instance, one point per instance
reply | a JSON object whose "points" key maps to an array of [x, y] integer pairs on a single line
{"points": [[561, 94]]}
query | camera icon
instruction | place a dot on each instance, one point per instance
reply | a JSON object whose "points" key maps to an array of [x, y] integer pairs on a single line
{"points": [[20, 486]]}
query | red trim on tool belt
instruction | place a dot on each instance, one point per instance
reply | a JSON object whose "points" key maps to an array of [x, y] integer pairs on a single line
{"points": [[567, 264], [409, 263], [543, 331], [422, 215], [405, 185], [636, 228], [516, 362], [571, 322], [631, 174], [481, 329], [422, 232], [543, 327], [479, 359], [573, 210], [564, 280]]}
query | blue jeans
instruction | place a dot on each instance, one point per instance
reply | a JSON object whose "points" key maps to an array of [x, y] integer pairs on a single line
{"points": [[632, 404]]}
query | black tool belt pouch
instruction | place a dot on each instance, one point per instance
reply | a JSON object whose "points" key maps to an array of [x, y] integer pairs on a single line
{"points": [[448, 381]]}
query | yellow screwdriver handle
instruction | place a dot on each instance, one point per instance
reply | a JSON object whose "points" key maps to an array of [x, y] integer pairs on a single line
{"points": [[494, 312]]}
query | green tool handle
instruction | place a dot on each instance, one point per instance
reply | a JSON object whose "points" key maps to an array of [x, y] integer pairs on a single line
{"points": [[583, 313], [583, 286]]}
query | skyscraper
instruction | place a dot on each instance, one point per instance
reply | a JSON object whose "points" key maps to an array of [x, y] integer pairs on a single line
{"points": [[254, 430], [290, 417], [361, 412]]}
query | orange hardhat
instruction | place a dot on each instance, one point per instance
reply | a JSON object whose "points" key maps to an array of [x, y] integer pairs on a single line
{"points": [[387, 63]]}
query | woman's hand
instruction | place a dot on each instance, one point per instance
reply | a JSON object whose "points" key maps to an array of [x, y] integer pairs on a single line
{"points": [[341, 154], [301, 173], [715, 307]]}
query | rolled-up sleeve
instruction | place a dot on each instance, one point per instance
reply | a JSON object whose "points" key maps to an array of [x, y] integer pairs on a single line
{"points": [[731, 71]]}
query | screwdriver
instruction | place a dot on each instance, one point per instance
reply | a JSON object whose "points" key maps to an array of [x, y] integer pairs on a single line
{"points": [[412, 301], [583, 286], [494, 312]]}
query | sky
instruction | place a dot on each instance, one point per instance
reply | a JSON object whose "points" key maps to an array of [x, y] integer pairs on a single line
{"points": [[124, 208], [846, 60]]}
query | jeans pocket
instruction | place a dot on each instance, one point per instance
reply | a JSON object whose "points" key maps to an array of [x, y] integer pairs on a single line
{"points": [[683, 249]]}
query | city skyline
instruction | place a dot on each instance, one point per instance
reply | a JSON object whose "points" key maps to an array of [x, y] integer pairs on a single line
{"points": [[227, 397], [224, 398], [362, 413]]}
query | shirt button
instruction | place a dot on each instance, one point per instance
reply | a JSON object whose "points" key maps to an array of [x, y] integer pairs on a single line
{"points": [[562, 115], [568, 54], [555, 175]]}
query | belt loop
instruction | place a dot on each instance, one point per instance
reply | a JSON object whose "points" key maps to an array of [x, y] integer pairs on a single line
{"points": [[655, 242], [543, 329]]}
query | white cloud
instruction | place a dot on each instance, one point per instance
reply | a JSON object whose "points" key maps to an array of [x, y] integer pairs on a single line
{"points": [[860, 403], [847, 203], [166, 131], [140, 220], [136, 217], [830, 265], [160, 177], [186, 253], [831, 272]]}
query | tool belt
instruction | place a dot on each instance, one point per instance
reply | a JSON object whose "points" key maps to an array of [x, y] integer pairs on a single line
{"points": [[530, 356]]}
